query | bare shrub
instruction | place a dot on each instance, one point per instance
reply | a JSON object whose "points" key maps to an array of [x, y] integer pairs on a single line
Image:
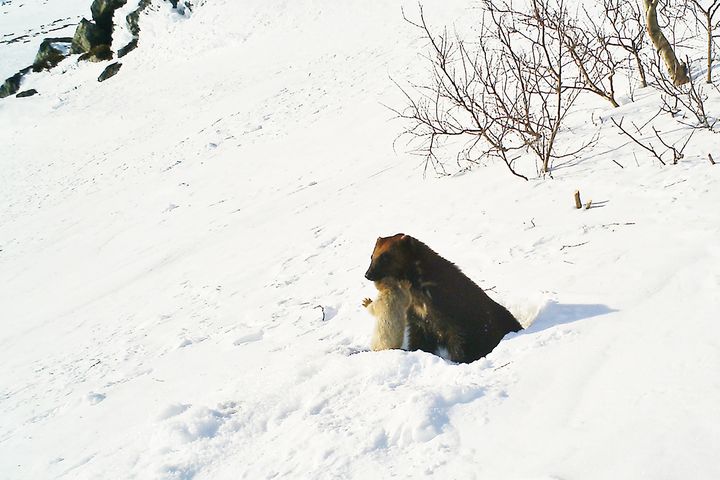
{"points": [[704, 12], [506, 94]]}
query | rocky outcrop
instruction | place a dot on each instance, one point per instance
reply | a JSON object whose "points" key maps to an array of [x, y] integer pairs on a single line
{"points": [[132, 45], [27, 93], [12, 84], [110, 71], [133, 18], [92, 39], [51, 52], [97, 54], [89, 35], [133, 24], [182, 6], [103, 11]]}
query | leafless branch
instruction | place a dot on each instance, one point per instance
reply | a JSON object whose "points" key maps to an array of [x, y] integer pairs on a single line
{"points": [[645, 146]]}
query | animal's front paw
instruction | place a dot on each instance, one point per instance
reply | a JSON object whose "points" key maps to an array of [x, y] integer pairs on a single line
{"points": [[366, 302], [405, 284]]}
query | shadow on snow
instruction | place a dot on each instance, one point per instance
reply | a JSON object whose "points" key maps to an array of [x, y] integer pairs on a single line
{"points": [[554, 313]]}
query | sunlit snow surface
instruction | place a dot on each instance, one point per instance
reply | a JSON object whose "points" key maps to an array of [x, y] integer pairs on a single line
{"points": [[182, 250]]}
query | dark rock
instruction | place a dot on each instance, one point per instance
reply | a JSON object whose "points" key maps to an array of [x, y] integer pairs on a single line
{"points": [[103, 11], [12, 84], [133, 23], [51, 52], [110, 71], [133, 18], [27, 93], [182, 7], [128, 48], [97, 54], [89, 35]]}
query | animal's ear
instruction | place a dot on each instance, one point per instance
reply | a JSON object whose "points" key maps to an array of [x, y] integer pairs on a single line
{"points": [[407, 241]]}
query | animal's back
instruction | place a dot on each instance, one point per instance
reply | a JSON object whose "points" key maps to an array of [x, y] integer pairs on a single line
{"points": [[461, 311]]}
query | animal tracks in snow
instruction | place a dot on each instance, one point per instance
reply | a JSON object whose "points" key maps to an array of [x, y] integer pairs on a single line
{"points": [[95, 398], [250, 337], [173, 410]]}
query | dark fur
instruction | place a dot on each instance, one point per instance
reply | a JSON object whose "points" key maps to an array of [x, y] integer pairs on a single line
{"points": [[448, 309]]}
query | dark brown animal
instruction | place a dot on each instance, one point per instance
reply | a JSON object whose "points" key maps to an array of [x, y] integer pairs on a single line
{"points": [[448, 310]]}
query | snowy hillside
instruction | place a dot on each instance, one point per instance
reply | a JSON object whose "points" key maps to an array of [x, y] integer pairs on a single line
{"points": [[24, 23], [182, 250]]}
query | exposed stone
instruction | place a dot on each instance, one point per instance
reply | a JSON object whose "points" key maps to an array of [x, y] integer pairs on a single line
{"points": [[103, 11], [89, 35], [133, 23], [27, 93], [128, 48], [51, 52], [133, 18], [97, 54], [182, 7], [110, 71], [12, 84]]}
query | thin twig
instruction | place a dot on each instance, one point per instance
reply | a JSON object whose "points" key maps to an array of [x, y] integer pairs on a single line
{"points": [[572, 246], [638, 142]]}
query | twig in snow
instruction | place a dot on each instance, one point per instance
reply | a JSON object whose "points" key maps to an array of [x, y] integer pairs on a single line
{"points": [[675, 183], [648, 122], [572, 246], [677, 154], [709, 158], [616, 224], [502, 366], [322, 309]]}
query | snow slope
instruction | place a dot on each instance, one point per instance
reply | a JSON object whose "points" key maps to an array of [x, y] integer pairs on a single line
{"points": [[24, 24], [182, 251]]}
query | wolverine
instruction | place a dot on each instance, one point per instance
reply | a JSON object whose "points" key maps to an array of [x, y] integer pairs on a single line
{"points": [[447, 311], [390, 308]]}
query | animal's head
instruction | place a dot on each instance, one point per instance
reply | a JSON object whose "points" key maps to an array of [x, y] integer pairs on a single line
{"points": [[391, 258]]}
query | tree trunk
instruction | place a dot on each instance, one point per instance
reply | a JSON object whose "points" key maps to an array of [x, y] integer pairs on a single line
{"points": [[676, 69], [641, 69], [708, 20]]}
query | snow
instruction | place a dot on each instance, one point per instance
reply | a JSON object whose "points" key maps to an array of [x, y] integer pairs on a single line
{"points": [[24, 24], [182, 250]]}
